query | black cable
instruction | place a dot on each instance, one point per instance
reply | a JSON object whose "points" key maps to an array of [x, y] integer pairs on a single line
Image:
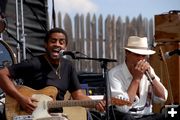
{"points": [[93, 115], [113, 114]]}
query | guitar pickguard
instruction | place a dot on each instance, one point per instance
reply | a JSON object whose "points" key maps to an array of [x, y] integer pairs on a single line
{"points": [[12, 107]]}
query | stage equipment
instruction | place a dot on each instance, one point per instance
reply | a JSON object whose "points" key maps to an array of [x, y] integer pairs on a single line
{"points": [[27, 22], [167, 38], [70, 53], [104, 62], [167, 26], [93, 83], [167, 55], [7, 56], [2, 24], [74, 55]]}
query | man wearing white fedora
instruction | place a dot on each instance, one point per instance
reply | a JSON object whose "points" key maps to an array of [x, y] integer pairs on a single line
{"points": [[136, 81]]}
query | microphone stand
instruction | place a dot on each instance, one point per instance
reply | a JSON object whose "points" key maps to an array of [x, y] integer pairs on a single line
{"points": [[89, 58], [104, 62], [107, 96]]}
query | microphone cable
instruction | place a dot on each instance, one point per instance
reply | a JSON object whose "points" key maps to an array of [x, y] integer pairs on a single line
{"points": [[168, 77]]}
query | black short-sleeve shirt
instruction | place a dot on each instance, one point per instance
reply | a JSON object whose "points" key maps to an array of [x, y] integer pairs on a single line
{"points": [[37, 74]]}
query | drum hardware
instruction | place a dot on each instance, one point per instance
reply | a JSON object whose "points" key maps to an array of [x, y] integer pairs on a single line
{"points": [[7, 56]]}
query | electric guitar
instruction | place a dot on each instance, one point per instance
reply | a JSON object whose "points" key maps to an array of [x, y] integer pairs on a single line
{"points": [[46, 99]]}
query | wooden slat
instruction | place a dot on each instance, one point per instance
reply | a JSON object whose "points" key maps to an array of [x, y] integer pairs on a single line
{"points": [[68, 28], [100, 39], [94, 43], [82, 42], [77, 38], [88, 39], [100, 35], [107, 36]]}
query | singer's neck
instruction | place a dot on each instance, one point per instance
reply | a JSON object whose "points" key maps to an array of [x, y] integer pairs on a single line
{"points": [[52, 61]]}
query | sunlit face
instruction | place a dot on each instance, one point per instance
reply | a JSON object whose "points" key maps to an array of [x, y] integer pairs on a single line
{"points": [[56, 42]]}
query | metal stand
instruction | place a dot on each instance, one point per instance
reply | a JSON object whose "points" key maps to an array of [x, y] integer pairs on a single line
{"points": [[104, 62], [22, 40], [19, 42], [105, 76]]}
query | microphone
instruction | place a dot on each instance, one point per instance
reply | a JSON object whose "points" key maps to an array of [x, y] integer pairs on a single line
{"points": [[167, 55], [70, 53], [150, 78]]}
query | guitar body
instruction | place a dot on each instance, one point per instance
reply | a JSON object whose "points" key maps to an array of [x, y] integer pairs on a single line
{"points": [[47, 99], [12, 108]]}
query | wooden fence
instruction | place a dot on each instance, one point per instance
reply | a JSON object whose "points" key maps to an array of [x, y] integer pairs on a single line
{"points": [[96, 37]]}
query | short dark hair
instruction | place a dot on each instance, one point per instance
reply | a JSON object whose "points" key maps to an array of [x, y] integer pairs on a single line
{"points": [[56, 30]]}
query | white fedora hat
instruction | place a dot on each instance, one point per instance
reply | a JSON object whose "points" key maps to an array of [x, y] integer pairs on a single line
{"points": [[138, 45]]}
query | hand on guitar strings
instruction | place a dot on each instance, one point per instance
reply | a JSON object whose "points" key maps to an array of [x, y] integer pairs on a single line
{"points": [[101, 106], [28, 104]]}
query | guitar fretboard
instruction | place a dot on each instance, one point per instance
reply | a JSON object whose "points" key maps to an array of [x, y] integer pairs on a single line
{"points": [[70, 103]]}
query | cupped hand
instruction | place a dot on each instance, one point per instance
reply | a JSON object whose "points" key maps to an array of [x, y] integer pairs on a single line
{"points": [[140, 69], [28, 104]]}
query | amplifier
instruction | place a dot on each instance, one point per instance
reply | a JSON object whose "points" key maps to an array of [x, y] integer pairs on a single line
{"points": [[93, 83], [92, 79]]}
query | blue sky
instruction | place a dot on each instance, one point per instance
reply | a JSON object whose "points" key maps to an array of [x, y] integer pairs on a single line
{"points": [[123, 8]]}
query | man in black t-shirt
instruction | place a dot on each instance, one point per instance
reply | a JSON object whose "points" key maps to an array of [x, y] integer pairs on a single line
{"points": [[48, 69]]}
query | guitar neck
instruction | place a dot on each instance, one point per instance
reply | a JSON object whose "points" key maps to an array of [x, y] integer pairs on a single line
{"points": [[70, 103]]}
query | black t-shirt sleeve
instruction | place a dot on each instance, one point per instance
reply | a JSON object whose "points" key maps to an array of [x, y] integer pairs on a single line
{"points": [[23, 69]]}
